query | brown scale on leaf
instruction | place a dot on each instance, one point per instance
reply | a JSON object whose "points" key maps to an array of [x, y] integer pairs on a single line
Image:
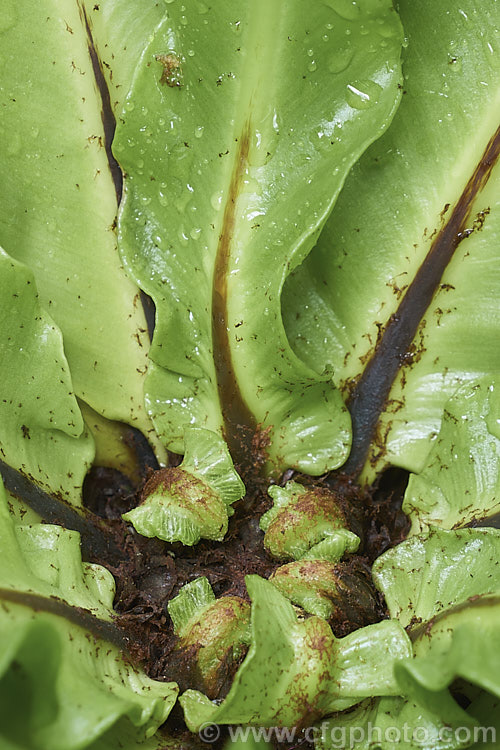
{"points": [[172, 70]]}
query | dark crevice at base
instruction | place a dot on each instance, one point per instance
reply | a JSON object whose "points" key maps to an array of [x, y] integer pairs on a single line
{"points": [[153, 572], [459, 690], [387, 524], [149, 572], [380, 505], [174, 459], [180, 737], [143, 452], [149, 308], [108, 493]]}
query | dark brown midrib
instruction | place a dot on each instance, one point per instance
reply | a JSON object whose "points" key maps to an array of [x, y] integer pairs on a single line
{"points": [[369, 397], [488, 521], [235, 413], [97, 544], [103, 629], [109, 127], [107, 115]]}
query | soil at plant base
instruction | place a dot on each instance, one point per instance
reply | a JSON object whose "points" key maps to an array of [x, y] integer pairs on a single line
{"points": [[152, 572]]}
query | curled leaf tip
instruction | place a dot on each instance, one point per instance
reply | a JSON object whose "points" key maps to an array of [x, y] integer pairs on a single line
{"points": [[309, 523], [286, 675], [192, 501], [213, 634], [340, 593], [191, 601]]}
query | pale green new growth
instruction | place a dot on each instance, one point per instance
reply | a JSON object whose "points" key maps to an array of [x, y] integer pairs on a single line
{"points": [[80, 685], [284, 657], [306, 523], [191, 601], [313, 585], [192, 501], [212, 633], [302, 667]]}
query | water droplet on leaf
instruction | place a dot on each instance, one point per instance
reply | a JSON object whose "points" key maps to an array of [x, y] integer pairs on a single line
{"points": [[492, 45], [340, 59], [216, 200], [455, 63], [363, 94], [386, 30]]}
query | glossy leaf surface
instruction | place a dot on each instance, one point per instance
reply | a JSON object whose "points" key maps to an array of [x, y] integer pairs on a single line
{"points": [[394, 205], [58, 203], [463, 643], [460, 481], [444, 589], [219, 209], [428, 574], [63, 679], [296, 669], [120, 31], [42, 432]]}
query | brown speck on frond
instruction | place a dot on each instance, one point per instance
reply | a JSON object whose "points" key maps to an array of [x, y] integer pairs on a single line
{"points": [[172, 71], [444, 211], [480, 219]]}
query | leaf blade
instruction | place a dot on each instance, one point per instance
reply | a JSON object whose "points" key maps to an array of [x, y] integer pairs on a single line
{"points": [[218, 236]]}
